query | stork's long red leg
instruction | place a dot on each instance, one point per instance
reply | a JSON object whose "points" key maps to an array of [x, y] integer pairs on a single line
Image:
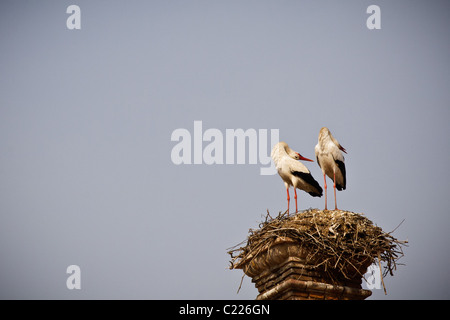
{"points": [[334, 186], [288, 198], [295, 196], [325, 187]]}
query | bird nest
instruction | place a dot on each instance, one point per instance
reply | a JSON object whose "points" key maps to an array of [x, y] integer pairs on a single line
{"points": [[341, 244]]}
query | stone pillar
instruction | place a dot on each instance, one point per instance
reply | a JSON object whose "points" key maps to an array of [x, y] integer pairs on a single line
{"points": [[288, 271]]}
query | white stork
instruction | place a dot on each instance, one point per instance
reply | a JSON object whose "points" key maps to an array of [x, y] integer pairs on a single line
{"points": [[294, 173], [331, 160]]}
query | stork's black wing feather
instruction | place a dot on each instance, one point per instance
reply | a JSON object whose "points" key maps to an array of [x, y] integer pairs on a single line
{"points": [[341, 166], [308, 178]]}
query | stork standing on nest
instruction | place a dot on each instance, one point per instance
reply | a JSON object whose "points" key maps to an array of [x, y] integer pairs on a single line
{"points": [[294, 173], [331, 160]]}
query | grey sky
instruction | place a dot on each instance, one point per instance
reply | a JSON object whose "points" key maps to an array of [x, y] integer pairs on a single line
{"points": [[86, 117]]}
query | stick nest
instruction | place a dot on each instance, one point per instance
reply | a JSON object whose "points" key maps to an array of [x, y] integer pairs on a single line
{"points": [[339, 242]]}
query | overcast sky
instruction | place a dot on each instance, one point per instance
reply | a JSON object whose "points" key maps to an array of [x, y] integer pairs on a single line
{"points": [[87, 116]]}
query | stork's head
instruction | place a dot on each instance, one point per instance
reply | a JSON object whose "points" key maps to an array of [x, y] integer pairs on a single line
{"points": [[293, 154], [298, 156]]}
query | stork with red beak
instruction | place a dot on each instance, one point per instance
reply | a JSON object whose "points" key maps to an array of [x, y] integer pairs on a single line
{"points": [[293, 172], [331, 160]]}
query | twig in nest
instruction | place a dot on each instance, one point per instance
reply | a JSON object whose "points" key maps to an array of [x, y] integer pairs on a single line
{"points": [[381, 273], [240, 285]]}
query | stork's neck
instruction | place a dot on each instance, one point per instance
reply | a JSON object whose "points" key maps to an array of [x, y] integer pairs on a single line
{"points": [[324, 139], [278, 153]]}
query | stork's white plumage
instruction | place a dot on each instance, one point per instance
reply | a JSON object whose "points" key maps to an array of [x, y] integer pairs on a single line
{"points": [[331, 160], [294, 173]]}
